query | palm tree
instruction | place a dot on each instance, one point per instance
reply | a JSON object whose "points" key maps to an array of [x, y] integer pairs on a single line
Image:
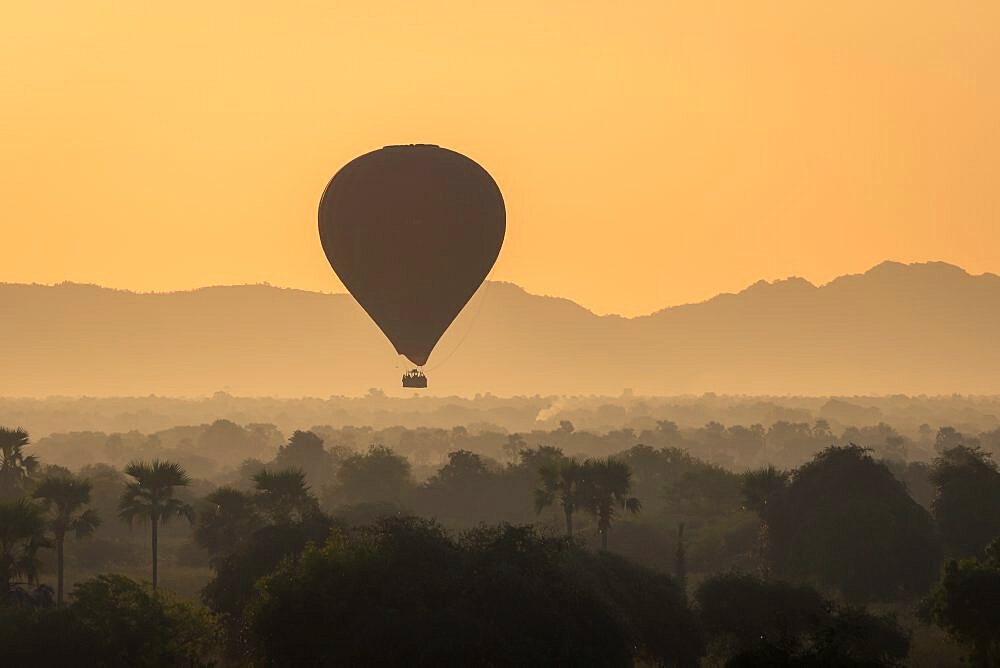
{"points": [[560, 481], [230, 519], [759, 488], [22, 534], [15, 466], [151, 497], [284, 495], [606, 485], [66, 496]]}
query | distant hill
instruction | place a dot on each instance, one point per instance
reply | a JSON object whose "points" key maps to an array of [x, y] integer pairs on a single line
{"points": [[921, 328]]}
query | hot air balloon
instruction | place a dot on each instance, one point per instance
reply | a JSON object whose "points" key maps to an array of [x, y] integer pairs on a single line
{"points": [[412, 231]]}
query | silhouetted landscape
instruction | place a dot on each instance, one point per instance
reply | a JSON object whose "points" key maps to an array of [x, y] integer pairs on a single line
{"points": [[560, 526], [702, 528], [502, 335]]}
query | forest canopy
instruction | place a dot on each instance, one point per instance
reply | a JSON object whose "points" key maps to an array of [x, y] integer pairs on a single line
{"points": [[309, 546]]}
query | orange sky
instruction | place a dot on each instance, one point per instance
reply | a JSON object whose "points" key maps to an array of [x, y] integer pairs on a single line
{"points": [[650, 153]]}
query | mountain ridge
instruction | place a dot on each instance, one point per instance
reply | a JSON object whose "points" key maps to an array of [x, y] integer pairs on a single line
{"points": [[883, 267], [908, 328]]}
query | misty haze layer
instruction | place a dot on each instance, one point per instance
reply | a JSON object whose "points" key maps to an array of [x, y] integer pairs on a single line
{"points": [[923, 328]]}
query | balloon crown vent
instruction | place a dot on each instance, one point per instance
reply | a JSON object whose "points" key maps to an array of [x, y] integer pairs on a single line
{"points": [[412, 146]]}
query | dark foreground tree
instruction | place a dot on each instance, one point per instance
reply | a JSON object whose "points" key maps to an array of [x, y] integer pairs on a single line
{"points": [[22, 535], [651, 608], [967, 503], [606, 487], [966, 604], [856, 637], [738, 611], [237, 573], [560, 483], [402, 592], [759, 488], [226, 523], [65, 498], [150, 498], [15, 466], [847, 521], [283, 496], [755, 622], [110, 621]]}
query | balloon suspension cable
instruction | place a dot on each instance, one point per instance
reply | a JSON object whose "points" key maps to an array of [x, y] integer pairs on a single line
{"points": [[465, 335]]}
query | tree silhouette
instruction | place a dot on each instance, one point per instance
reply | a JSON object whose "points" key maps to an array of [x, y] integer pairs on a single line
{"points": [[306, 453], [22, 534], [738, 610], [759, 622], [469, 486], [680, 559], [845, 521], [150, 497], [948, 438], [498, 596], [561, 481], [111, 620], [758, 489], [967, 503], [229, 520], [283, 495], [66, 497], [464, 469], [606, 484], [237, 574], [15, 466], [532, 459], [966, 604], [377, 476], [515, 443]]}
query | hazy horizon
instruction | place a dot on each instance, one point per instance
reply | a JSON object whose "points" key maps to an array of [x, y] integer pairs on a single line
{"points": [[617, 314], [895, 329]]}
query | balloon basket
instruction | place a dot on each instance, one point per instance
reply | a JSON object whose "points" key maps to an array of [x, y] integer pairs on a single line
{"points": [[415, 379]]}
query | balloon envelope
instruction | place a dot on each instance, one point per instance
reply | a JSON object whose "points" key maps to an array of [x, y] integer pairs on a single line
{"points": [[412, 231]]}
